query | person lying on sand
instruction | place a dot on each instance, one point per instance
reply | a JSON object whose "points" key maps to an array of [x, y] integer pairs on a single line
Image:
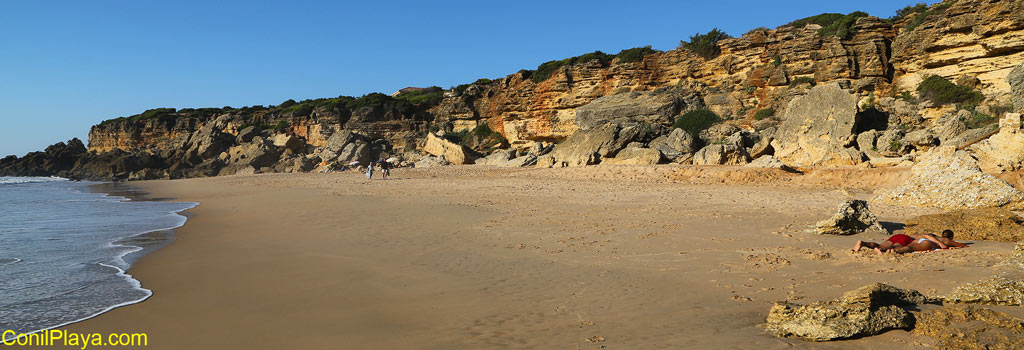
{"points": [[927, 245], [901, 241]]}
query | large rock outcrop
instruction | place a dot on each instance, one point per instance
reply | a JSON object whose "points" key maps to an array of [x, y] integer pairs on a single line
{"points": [[997, 290], [852, 217], [452, 152], [975, 38], [968, 327], [817, 127], [950, 179], [1003, 151], [586, 147], [1016, 81], [868, 310], [677, 146], [655, 107], [987, 224]]}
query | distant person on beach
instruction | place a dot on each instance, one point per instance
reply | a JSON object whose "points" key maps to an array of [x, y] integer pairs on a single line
{"points": [[369, 171], [902, 243], [385, 168]]}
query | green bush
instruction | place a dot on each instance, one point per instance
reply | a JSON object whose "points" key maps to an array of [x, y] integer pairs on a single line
{"points": [[843, 26], [941, 91], [894, 145], [460, 137], [907, 11], [696, 121], [287, 104], [924, 15], [764, 113], [776, 60], [832, 24], [705, 45], [978, 119], [824, 20], [906, 96], [547, 69], [750, 89], [431, 96], [635, 54], [758, 29], [802, 80], [280, 125]]}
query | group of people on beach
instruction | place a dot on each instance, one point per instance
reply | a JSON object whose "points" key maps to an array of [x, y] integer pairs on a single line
{"points": [[903, 243], [385, 169]]}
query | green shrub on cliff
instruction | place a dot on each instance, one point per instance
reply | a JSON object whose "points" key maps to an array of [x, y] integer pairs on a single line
{"points": [[705, 45], [547, 69], [696, 121], [843, 26], [430, 96], [941, 91], [923, 16], [764, 113], [635, 54], [909, 10], [802, 80], [832, 24]]}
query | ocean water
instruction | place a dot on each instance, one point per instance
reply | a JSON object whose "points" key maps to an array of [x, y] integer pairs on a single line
{"points": [[65, 247]]}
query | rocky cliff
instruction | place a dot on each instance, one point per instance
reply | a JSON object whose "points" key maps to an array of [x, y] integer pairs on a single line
{"points": [[750, 84]]}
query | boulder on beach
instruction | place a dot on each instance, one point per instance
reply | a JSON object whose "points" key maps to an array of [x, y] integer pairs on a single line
{"points": [[817, 127], [852, 217], [452, 152], [997, 290], [868, 310], [950, 179], [969, 327]]}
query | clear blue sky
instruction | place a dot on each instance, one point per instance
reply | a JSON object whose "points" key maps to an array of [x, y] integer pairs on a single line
{"points": [[66, 65]]}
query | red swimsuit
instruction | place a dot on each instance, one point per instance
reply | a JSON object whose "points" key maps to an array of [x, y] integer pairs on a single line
{"points": [[901, 239]]}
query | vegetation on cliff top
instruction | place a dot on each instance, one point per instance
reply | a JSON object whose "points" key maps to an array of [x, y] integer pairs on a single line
{"points": [[406, 104], [832, 24], [547, 69], [705, 45], [923, 13]]}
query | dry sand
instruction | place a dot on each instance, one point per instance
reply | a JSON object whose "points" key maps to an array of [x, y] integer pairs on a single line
{"points": [[472, 257]]}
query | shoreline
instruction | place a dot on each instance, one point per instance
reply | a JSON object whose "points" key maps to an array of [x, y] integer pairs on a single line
{"points": [[480, 258], [127, 193]]}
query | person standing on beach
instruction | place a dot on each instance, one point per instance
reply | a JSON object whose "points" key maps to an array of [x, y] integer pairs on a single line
{"points": [[385, 168], [369, 171]]}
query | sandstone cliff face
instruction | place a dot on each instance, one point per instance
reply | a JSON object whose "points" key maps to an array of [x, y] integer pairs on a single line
{"points": [[977, 42], [743, 79], [973, 38]]}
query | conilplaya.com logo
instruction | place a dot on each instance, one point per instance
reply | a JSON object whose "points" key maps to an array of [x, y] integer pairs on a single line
{"points": [[58, 337]]}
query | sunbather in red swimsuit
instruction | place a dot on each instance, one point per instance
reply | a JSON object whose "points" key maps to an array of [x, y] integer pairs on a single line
{"points": [[901, 239]]}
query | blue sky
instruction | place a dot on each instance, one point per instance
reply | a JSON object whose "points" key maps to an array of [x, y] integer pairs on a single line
{"points": [[66, 65]]}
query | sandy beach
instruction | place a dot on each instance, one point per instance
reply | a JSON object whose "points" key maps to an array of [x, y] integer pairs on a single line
{"points": [[472, 257]]}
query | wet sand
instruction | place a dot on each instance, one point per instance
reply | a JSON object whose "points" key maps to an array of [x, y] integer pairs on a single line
{"points": [[473, 257]]}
